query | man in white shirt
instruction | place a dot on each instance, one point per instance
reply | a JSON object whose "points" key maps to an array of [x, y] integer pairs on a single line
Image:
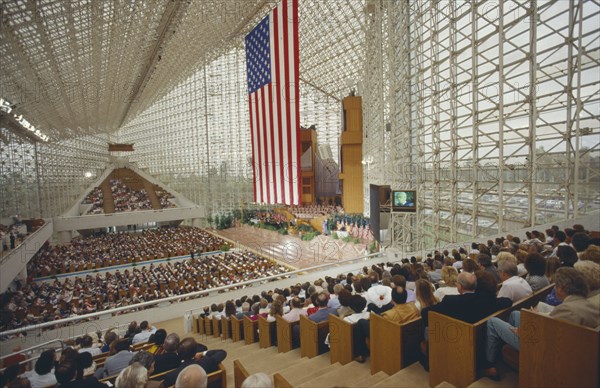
{"points": [[88, 346], [513, 287], [145, 334], [294, 314]]}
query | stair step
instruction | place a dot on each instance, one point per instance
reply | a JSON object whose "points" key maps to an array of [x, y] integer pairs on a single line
{"points": [[274, 364], [413, 376], [370, 381], [303, 375], [300, 368], [351, 372]]}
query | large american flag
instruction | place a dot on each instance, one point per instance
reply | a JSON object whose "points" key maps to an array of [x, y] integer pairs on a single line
{"points": [[272, 61]]}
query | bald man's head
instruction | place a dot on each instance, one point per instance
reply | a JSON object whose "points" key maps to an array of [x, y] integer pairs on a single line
{"points": [[192, 376], [467, 281]]}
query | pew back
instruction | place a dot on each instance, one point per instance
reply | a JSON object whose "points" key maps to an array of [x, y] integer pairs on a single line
{"points": [[285, 341], [216, 327], [237, 329], [557, 353], [225, 328], [394, 346], [250, 335], [239, 373], [312, 337], [341, 341], [207, 326], [462, 342], [265, 333]]}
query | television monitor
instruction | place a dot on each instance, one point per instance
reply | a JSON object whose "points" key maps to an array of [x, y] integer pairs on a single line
{"points": [[404, 200]]}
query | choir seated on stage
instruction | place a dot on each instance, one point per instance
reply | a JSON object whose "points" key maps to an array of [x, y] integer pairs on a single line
{"points": [[313, 211]]}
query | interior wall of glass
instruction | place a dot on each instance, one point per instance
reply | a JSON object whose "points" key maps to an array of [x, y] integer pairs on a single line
{"points": [[19, 194], [63, 168], [504, 114]]}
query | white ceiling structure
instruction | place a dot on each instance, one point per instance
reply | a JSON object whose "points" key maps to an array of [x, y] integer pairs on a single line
{"points": [[83, 67]]}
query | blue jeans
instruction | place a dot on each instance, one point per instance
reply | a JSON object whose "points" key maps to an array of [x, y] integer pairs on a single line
{"points": [[499, 332]]}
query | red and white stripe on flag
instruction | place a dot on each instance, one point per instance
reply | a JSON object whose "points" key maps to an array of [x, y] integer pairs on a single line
{"points": [[272, 60]]}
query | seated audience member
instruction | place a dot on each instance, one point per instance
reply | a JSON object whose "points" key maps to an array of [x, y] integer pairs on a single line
{"points": [[245, 311], [169, 359], [134, 376], [209, 360], [334, 301], [257, 380], [323, 311], [401, 312], [109, 337], [399, 283], [580, 241], [571, 288], [470, 265], [146, 359], [379, 299], [436, 275], [276, 309], [567, 255], [536, 271], [19, 382], [118, 362], [87, 346], [157, 339], [85, 371], [66, 373], [131, 330], [449, 275], [592, 253], [43, 373], [192, 376], [345, 309], [296, 311], [146, 331], [424, 290], [513, 287], [591, 273], [485, 263], [469, 306], [358, 305]]}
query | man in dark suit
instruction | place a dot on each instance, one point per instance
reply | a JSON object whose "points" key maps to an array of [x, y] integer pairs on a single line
{"points": [[169, 359], [209, 360], [468, 306]]}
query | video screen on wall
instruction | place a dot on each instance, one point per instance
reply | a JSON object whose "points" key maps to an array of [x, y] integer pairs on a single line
{"points": [[404, 200]]}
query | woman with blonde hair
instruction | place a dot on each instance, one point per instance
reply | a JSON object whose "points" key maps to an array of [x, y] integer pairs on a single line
{"points": [[449, 276], [425, 298]]}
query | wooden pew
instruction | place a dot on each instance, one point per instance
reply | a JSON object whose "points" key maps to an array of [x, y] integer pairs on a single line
{"points": [[312, 337], [250, 327], [556, 353], [225, 328], [216, 327], [237, 329], [462, 342], [341, 341], [394, 346], [207, 326], [239, 373], [218, 378], [280, 382], [200, 325], [285, 341], [266, 333]]}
